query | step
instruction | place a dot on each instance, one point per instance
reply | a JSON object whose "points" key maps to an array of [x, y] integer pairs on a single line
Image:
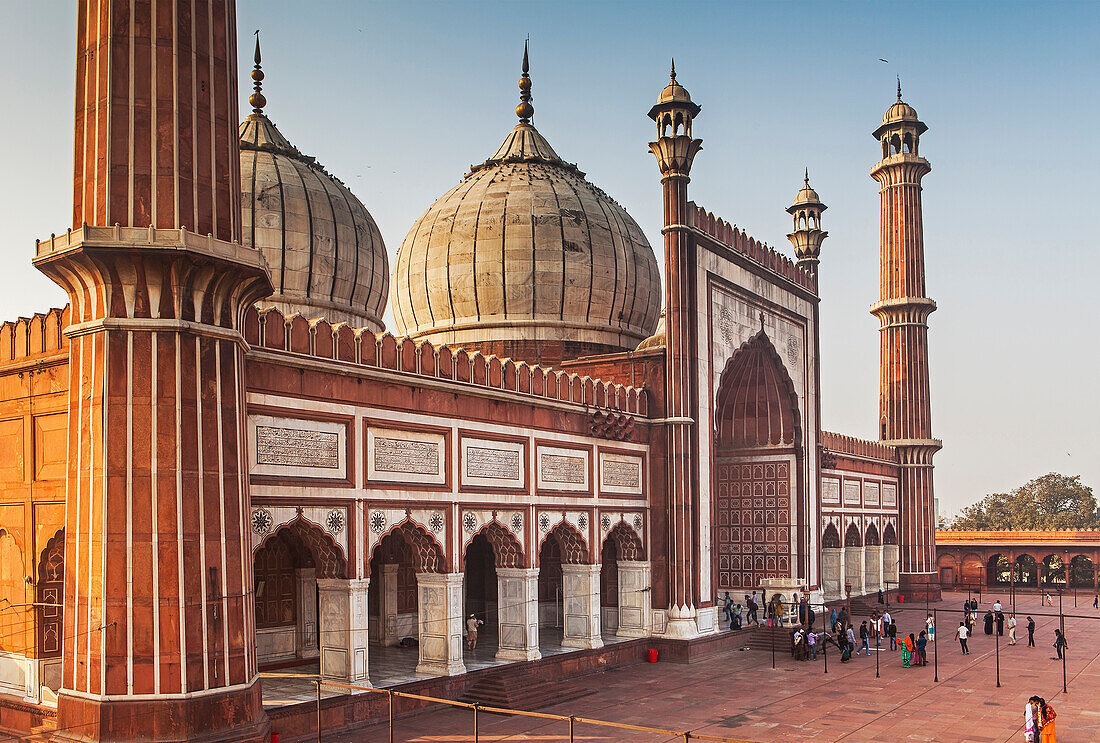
{"points": [[519, 690]]}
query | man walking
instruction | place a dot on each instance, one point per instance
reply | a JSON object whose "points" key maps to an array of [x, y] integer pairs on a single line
{"points": [[1030, 632], [960, 635], [864, 638]]}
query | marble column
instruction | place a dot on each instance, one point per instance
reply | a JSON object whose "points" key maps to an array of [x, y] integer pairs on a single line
{"points": [[388, 606], [872, 568], [344, 630], [518, 614], [832, 573], [635, 599], [307, 612], [439, 619], [581, 589], [853, 568], [890, 564]]}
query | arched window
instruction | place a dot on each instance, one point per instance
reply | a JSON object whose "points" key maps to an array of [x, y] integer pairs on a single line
{"points": [[830, 540], [852, 537]]}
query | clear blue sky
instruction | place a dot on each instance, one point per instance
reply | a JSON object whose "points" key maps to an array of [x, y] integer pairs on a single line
{"points": [[398, 98]]}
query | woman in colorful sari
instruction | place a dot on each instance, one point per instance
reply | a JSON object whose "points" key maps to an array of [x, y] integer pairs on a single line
{"points": [[1047, 733], [907, 651]]}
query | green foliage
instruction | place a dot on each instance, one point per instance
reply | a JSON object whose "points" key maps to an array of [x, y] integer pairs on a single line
{"points": [[1052, 501]]}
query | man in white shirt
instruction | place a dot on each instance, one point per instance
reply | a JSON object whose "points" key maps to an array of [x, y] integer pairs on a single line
{"points": [[997, 606], [961, 634]]}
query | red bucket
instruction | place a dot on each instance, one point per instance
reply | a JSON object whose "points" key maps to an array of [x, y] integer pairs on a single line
{"points": [[652, 655], [274, 737]]}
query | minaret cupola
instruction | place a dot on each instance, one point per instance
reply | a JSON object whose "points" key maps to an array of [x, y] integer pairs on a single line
{"points": [[807, 235]]}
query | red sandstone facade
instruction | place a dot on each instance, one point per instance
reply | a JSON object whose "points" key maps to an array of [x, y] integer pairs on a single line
{"points": [[1018, 560], [199, 489]]}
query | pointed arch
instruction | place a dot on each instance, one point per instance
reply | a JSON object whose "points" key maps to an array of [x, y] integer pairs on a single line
{"points": [[573, 547], [628, 544], [889, 536], [507, 551], [327, 556], [852, 537], [830, 539], [871, 539], [426, 552], [756, 404]]}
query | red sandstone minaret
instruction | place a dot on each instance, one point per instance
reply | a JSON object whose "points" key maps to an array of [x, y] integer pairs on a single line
{"points": [[675, 150], [903, 310], [159, 628]]}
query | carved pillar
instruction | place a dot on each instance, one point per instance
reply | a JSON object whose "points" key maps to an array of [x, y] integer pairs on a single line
{"points": [[872, 568], [581, 589], [635, 599], [388, 606], [518, 614], [439, 619], [832, 573], [344, 630], [307, 612], [853, 568]]}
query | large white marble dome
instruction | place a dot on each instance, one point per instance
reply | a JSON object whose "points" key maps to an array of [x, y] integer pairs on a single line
{"points": [[325, 252], [527, 259]]}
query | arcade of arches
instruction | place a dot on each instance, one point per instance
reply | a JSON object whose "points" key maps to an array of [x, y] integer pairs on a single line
{"points": [[1039, 560], [867, 559]]}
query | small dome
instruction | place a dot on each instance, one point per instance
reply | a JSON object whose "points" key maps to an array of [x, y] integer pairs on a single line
{"points": [[900, 111], [806, 195], [326, 253], [658, 339]]}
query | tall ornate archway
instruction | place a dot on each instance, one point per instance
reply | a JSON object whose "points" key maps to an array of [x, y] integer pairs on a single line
{"points": [[758, 437]]}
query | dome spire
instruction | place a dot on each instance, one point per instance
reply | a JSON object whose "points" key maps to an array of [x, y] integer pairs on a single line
{"points": [[899, 87], [672, 74], [257, 98], [806, 178], [525, 110]]}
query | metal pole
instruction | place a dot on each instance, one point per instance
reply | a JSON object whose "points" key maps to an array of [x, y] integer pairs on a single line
{"points": [[878, 650], [936, 646], [318, 712], [997, 642], [390, 695], [572, 719], [1062, 626], [475, 723], [825, 646], [772, 643]]}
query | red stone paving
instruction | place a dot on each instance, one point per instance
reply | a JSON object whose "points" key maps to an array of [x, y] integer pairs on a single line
{"points": [[738, 695]]}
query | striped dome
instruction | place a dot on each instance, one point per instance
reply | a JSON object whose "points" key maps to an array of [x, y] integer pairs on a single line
{"points": [[525, 258], [326, 254]]}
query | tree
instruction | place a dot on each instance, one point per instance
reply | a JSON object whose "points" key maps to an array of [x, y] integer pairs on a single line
{"points": [[1053, 501]]}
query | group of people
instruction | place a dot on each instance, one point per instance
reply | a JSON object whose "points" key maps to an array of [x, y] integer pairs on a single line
{"points": [[776, 611], [995, 620]]}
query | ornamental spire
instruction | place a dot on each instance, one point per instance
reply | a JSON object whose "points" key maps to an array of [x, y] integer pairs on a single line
{"points": [[899, 87], [525, 110], [257, 98]]}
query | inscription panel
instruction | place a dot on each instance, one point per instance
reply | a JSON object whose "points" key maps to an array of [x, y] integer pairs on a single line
{"points": [[889, 494], [296, 447], [851, 492], [870, 493], [830, 490], [493, 464], [406, 457], [620, 474], [563, 469]]}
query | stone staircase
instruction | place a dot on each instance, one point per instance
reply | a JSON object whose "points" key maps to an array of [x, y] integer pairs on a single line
{"points": [[765, 638], [516, 688]]}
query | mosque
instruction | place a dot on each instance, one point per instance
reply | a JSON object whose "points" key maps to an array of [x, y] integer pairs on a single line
{"points": [[219, 461]]}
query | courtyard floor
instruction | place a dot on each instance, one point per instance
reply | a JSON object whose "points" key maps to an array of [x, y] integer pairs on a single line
{"points": [[739, 695]]}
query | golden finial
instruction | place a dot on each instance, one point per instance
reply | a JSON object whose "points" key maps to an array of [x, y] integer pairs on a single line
{"points": [[899, 87], [257, 98], [806, 179], [672, 74], [525, 110]]}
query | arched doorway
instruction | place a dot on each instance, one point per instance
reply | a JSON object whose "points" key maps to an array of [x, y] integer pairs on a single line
{"points": [[853, 558], [890, 558], [1053, 573], [1025, 571], [832, 573], [758, 504], [998, 571], [1082, 572], [609, 587], [872, 560], [569, 589], [502, 592], [625, 584], [286, 568], [50, 596]]}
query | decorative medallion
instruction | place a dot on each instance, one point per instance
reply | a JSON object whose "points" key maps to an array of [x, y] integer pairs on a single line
{"points": [[378, 522], [792, 349], [605, 522], [436, 522], [517, 522], [544, 522], [334, 522], [638, 521], [725, 324], [469, 522], [582, 521], [261, 521]]}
